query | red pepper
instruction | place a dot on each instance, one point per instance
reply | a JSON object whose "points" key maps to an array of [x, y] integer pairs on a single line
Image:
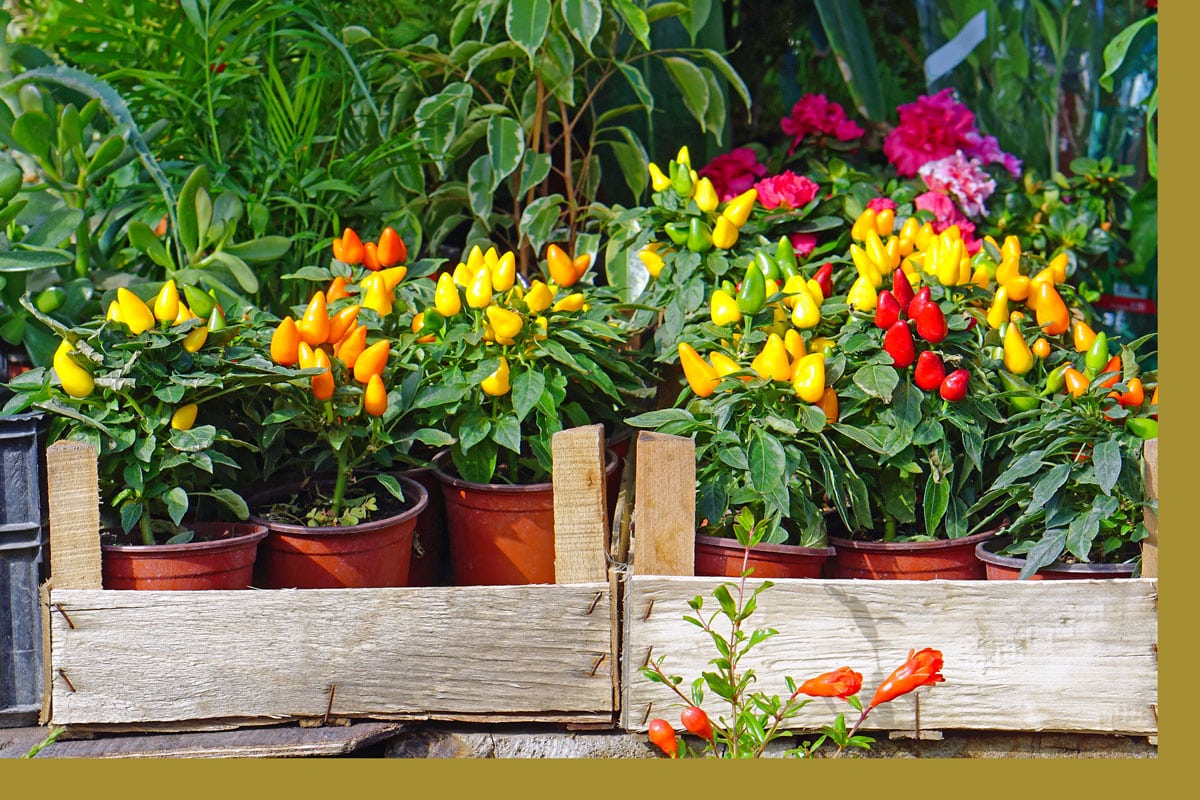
{"points": [[954, 386], [824, 279], [931, 323], [930, 371], [902, 288], [887, 309], [919, 301], [898, 342]]}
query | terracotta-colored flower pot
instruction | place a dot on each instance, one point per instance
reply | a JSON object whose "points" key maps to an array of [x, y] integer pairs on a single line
{"points": [[1008, 568], [500, 534], [943, 559], [371, 554], [221, 557], [722, 557], [428, 564]]}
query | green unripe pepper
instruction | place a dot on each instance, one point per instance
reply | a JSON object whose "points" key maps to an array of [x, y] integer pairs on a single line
{"points": [[1142, 427], [753, 294], [699, 238], [1056, 378], [1022, 397], [767, 266], [677, 232], [785, 257], [681, 179], [1097, 355], [50, 299]]}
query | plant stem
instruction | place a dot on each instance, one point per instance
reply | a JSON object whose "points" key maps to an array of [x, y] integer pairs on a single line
{"points": [[144, 526], [339, 488], [862, 718]]}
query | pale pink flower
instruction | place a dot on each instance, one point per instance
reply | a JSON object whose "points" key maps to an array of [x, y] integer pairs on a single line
{"points": [[934, 127], [786, 190], [733, 173], [961, 177]]}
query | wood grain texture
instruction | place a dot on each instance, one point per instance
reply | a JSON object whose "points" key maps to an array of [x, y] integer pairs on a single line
{"points": [[580, 507], [1150, 543], [664, 524], [1076, 656], [73, 494], [521, 652]]}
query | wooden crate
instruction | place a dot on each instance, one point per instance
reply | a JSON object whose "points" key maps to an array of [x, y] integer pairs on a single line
{"points": [[125, 660], [1078, 656]]}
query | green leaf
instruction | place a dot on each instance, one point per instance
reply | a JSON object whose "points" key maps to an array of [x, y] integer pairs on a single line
{"points": [[231, 500], [506, 146], [54, 229], [1116, 50], [438, 119], [714, 115], [634, 165], [539, 220], [934, 502], [727, 71], [656, 419], [906, 402], [33, 132], [534, 170], [527, 388], [33, 260], [264, 248], [1025, 465], [850, 39], [240, 271], [768, 464], [506, 432], [695, 16], [1106, 457], [177, 504], [635, 18], [1047, 486], [638, 83], [1045, 551], [583, 20], [877, 381], [526, 24], [481, 183], [690, 80]]}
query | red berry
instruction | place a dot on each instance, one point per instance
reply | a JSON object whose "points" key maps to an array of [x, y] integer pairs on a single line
{"points": [[696, 722], [662, 734]]}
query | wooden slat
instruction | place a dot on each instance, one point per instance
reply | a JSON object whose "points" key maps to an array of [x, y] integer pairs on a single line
{"points": [[580, 507], [431, 652], [1075, 656], [664, 524], [1150, 543], [74, 500]]}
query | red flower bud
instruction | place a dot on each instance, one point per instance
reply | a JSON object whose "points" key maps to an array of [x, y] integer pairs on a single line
{"points": [[842, 682], [923, 668]]}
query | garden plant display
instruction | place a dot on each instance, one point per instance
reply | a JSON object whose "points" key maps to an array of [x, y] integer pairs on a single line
{"points": [[755, 718]]}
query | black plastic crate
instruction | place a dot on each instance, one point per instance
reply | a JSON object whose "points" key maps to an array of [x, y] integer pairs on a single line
{"points": [[23, 549]]}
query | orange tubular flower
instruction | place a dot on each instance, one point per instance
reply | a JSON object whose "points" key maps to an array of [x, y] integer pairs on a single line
{"points": [[842, 682], [923, 668]]}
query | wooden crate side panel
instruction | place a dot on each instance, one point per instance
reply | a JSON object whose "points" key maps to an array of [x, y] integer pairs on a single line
{"points": [[1075, 656], [437, 653]]}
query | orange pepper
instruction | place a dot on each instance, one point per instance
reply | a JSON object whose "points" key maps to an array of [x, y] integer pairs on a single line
{"points": [[1041, 348], [701, 376], [562, 270], [340, 323], [375, 397], [391, 249], [349, 249], [322, 385], [285, 343], [352, 346], [372, 361], [1052, 314], [1113, 366], [314, 325], [1076, 383], [1083, 336], [336, 290], [370, 258]]}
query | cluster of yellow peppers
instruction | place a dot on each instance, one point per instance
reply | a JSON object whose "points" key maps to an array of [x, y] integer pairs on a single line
{"points": [[697, 235], [168, 309], [487, 281]]}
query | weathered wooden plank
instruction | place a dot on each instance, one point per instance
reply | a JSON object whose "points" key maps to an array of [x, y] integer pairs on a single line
{"points": [[290, 741], [74, 504], [1075, 656], [429, 652], [580, 507], [1150, 544], [665, 505]]}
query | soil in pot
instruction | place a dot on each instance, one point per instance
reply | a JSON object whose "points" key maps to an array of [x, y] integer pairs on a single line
{"points": [[371, 554], [940, 559], [1008, 568], [719, 556], [500, 534], [220, 556]]}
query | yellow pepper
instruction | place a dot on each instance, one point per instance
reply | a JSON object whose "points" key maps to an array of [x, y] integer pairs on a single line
{"points": [[375, 294], [706, 195], [658, 180], [462, 275], [793, 342], [76, 381], [1018, 358], [391, 278], [1018, 288], [701, 376], [445, 296], [1058, 267], [475, 260], [114, 312], [806, 313], [723, 308], [479, 291], [862, 295], [739, 208], [539, 297], [166, 304], [725, 233], [772, 361], [808, 377], [651, 259], [504, 273], [865, 222], [134, 312], [997, 315], [572, 302], [505, 323], [867, 268], [723, 364], [184, 417]]}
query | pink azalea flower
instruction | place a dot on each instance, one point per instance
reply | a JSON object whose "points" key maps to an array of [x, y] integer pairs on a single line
{"points": [[946, 213], [803, 243], [935, 126], [961, 177], [786, 190], [733, 173], [816, 114], [880, 203]]}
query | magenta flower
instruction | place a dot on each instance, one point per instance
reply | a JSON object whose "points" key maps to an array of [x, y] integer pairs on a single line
{"points": [[733, 173], [878, 204], [816, 114], [786, 190], [803, 243], [935, 126], [962, 178], [946, 213]]}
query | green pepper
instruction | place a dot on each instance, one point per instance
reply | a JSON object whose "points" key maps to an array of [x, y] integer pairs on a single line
{"points": [[753, 294], [677, 232], [767, 266], [1097, 355], [1142, 427], [1021, 396], [728, 287], [785, 257], [200, 303], [681, 179], [50, 299], [699, 238], [1056, 378], [216, 319]]}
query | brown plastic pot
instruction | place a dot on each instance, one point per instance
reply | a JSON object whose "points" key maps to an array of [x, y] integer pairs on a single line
{"points": [[941, 559], [1008, 568], [500, 534], [221, 558], [372, 554], [427, 566], [718, 556]]}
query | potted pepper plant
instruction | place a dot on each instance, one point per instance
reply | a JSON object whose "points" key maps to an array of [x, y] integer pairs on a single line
{"points": [[348, 521], [504, 366], [149, 386]]}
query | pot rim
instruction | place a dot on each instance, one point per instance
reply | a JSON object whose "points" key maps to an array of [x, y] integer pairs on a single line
{"points": [[983, 553], [764, 547], [257, 533], [294, 529], [611, 460], [892, 547]]}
